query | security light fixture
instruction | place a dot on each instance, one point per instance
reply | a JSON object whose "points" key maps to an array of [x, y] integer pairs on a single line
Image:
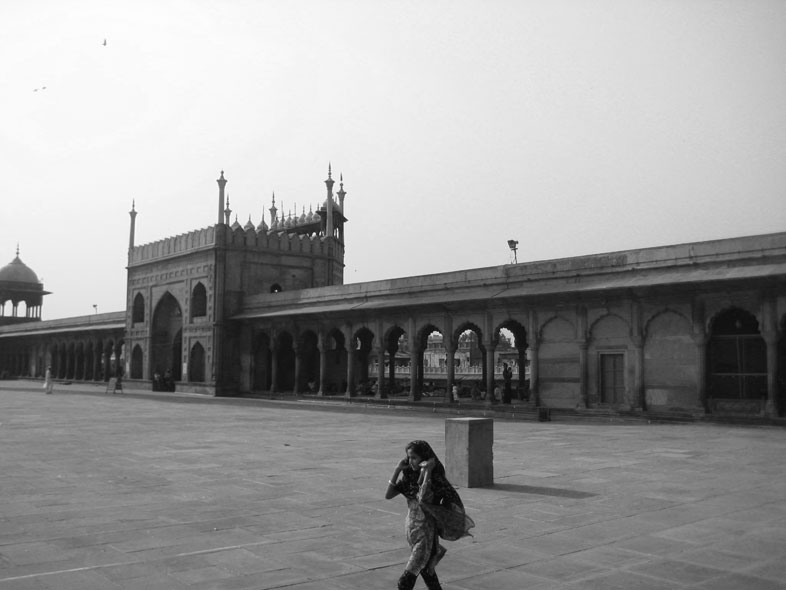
{"points": [[513, 245]]}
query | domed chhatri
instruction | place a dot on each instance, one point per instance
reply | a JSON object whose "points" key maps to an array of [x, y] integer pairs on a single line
{"points": [[20, 284], [17, 271]]}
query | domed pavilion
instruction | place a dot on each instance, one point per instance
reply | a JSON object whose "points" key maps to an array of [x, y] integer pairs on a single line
{"points": [[20, 284]]}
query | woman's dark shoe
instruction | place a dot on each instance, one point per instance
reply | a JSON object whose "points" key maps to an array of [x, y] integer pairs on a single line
{"points": [[431, 580], [407, 581]]}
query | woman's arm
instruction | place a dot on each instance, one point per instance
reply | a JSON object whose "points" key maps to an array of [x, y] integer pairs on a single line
{"points": [[392, 490], [424, 495]]}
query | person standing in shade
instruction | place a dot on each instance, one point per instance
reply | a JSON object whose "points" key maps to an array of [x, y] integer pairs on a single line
{"points": [[507, 377], [48, 383]]}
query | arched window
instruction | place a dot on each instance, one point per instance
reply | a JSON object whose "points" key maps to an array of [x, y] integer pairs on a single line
{"points": [[196, 364], [275, 288], [737, 357], [199, 301], [138, 312], [136, 362]]}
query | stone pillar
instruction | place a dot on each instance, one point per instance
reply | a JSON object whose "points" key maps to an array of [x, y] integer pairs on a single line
{"points": [[521, 394], [583, 375], [534, 397], [107, 364], [701, 368], [298, 386], [392, 368], [351, 355], [771, 339], [414, 363], [97, 353], [450, 366], [119, 368], [322, 346], [469, 454], [700, 338], [381, 394], [274, 367], [490, 348], [639, 400]]}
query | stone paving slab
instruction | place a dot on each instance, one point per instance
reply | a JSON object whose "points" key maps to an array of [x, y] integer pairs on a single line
{"points": [[138, 492]]}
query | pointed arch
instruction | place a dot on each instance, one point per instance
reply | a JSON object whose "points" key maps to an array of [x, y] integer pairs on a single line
{"points": [[308, 349], [138, 310], [167, 328], [263, 363], [670, 372], [196, 363], [365, 340], [736, 357], [199, 301], [136, 362]]}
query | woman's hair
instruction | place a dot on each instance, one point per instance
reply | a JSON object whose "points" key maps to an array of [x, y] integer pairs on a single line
{"points": [[422, 449]]}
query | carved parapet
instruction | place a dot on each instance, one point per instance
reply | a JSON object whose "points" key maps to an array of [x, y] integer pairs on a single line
{"points": [[180, 244]]}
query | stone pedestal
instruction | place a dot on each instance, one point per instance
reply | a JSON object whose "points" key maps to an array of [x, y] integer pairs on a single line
{"points": [[469, 458]]}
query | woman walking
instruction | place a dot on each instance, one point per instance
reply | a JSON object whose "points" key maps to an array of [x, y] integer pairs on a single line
{"points": [[434, 511]]}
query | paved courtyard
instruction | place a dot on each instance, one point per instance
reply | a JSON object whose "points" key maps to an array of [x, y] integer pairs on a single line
{"points": [[142, 492]]}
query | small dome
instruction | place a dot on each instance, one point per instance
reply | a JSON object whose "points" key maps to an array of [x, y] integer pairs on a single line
{"points": [[249, 224], [17, 271]]}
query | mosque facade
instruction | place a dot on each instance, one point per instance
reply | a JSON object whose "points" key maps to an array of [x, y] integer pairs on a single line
{"points": [[231, 309]]}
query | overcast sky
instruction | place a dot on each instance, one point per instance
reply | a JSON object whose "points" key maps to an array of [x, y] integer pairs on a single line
{"points": [[574, 127]]}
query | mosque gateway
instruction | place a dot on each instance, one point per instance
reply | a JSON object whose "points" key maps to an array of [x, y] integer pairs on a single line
{"points": [[236, 309]]}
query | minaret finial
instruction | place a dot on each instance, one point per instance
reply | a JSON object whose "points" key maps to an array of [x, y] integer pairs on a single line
{"points": [[228, 212], [17, 249], [329, 170], [222, 182]]}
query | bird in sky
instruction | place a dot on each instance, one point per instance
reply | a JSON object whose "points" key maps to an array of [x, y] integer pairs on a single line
{"points": [[104, 43], [37, 89]]}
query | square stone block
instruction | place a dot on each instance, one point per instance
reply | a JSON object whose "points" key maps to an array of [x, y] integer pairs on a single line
{"points": [[469, 455]]}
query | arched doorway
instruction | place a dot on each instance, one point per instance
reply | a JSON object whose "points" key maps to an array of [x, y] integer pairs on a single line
{"points": [[196, 364], [309, 362], [263, 356], [166, 352], [736, 360], [136, 362]]}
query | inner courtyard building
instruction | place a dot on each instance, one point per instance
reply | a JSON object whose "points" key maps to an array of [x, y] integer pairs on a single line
{"points": [[262, 308]]}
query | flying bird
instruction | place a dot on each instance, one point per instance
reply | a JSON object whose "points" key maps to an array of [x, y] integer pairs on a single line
{"points": [[104, 43]]}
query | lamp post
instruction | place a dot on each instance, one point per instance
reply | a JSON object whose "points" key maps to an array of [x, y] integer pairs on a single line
{"points": [[513, 245]]}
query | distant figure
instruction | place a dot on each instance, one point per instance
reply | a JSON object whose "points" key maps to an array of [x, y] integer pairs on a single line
{"points": [[48, 383], [507, 377], [157, 384], [169, 383], [496, 395], [475, 391], [455, 393]]}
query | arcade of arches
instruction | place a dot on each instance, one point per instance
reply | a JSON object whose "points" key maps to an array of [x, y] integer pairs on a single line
{"points": [[732, 366]]}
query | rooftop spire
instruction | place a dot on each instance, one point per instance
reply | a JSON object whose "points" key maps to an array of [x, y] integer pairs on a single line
{"points": [[221, 184], [227, 212]]}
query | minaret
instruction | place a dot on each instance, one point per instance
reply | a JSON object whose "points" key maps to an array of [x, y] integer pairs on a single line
{"points": [[273, 210], [132, 213], [341, 193], [329, 206], [221, 184], [227, 211]]}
